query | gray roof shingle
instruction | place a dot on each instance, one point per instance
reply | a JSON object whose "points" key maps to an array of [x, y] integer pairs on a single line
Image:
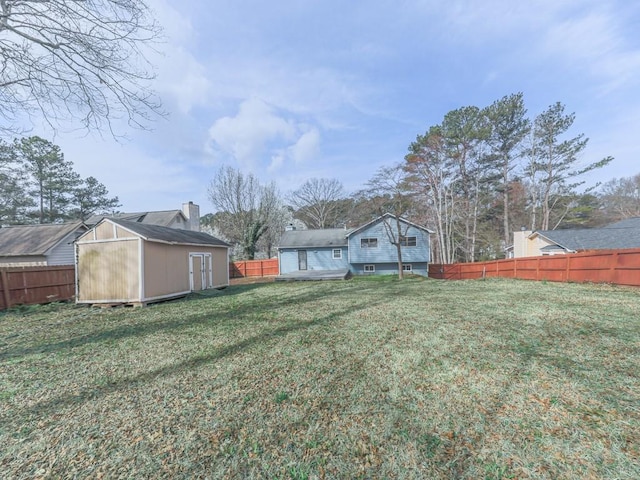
{"points": [[27, 240], [169, 235], [633, 222], [330, 237], [606, 238], [162, 217]]}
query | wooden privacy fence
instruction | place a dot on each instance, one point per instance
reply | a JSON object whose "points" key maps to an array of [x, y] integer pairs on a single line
{"points": [[621, 267], [254, 268], [32, 285]]}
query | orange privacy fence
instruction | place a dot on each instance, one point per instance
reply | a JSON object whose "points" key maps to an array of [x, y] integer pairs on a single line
{"points": [[621, 267], [253, 268], [32, 285]]}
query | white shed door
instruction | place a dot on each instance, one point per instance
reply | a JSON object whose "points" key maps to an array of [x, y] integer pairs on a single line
{"points": [[200, 271]]}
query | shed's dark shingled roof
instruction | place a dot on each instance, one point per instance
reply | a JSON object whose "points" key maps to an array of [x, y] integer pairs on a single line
{"points": [[163, 217], [26, 240], [330, 237], [619, 235], [170, 235]]}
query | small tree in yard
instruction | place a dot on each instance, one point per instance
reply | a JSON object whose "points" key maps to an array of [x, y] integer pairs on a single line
{"points": [[388, 188]]}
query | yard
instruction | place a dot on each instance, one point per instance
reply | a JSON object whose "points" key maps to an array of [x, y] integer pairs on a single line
{"points": [[369, 378]]}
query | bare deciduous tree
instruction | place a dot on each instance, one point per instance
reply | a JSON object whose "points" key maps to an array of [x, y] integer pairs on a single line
{"points": [[317, 202], [389, 188], [245, 207], [431, 176], [621, 197], [76, 59]]}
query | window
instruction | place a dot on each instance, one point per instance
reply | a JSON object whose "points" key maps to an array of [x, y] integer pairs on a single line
{"points": [[369, 243], [369, 268], [407, 267], [407, 241], [337, 254]]}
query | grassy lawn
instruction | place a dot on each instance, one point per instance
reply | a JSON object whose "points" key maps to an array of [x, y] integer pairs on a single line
{"points": [[369, 378]]}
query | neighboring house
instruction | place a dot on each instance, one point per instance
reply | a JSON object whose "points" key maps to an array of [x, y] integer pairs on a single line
{"points": [[36, 245], [364, 250], [187, 219], [120, 261], [618, 235]]}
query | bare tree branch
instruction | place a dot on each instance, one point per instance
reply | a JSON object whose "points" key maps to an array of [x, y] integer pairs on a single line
{"points": [[69, 59], [317, 202]]}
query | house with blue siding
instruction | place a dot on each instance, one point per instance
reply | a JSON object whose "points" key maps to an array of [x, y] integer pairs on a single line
{"points": [[366, 250]]}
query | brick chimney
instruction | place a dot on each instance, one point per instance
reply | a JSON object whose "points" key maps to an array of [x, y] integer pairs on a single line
{"points": [[192, 212]]}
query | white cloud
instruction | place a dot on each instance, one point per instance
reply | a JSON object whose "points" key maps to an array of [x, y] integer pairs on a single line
{"points": [[182, 79], [258, 132], [594, 43], [307, 147]]}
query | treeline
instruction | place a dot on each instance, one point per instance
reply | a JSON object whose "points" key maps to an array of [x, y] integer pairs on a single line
{"points": [[37, 185], [482, 172], [473, 179]]}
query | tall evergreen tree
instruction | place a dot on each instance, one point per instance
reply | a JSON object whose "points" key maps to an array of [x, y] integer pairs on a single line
{"points": [[554, 159], [14, 200], [509, 126], [52, 179], [91, 197]]}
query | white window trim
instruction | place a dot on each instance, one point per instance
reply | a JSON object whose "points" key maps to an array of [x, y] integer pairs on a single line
{"points": [[369, 268], [405, 269], [404, 240], [367, 244], [339, 252]]}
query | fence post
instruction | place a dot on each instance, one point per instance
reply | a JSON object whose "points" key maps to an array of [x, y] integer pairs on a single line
{"points": [[614, 267], [568, 268], [5, 288], [261, 268]]}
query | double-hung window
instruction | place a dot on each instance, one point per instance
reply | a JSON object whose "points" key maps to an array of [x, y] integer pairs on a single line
{"points": [[407, 241], [337, 254], [369, 243]]}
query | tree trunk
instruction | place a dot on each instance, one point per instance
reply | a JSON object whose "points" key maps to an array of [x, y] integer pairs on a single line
{"points": [[399, 248]]}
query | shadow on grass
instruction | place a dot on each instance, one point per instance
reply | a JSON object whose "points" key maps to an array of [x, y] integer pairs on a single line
{"points": [[215, 316], [92, 393]]}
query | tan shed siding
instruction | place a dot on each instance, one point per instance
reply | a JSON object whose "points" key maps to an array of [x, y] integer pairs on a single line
{"points": [[104, 231], [166, 269], [220, 259], [108, 272], [122, 233]]}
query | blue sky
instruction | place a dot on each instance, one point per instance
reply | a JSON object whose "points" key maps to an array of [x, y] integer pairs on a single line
{"points": [[291, 90]]}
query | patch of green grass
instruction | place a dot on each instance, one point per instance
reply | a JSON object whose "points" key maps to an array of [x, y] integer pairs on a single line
{"points": [[368, 378], [281, 397]]}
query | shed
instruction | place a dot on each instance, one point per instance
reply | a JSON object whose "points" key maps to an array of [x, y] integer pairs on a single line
{"points": [[120, 261]]}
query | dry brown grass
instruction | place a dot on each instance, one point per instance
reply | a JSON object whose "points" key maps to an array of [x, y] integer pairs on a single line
{"points": [[370, 378]]}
